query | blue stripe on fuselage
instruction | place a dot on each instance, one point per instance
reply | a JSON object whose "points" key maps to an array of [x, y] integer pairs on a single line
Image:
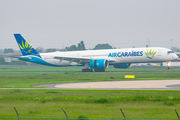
{"points": [[35, 59]]}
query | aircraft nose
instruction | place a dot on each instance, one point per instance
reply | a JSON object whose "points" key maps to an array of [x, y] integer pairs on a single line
{"points": [[175, 56]]}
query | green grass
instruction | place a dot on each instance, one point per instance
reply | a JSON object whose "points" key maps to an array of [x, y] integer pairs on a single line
{"points": [[72, 69], [79, 104], [136, 104], [26, 80]]}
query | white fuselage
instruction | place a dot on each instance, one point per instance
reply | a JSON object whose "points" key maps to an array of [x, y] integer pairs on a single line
{"points": [[129, 55]]}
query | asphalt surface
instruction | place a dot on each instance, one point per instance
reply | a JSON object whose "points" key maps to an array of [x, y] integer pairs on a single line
{"points": [[79, 72], [108, 85], [119, 85]]}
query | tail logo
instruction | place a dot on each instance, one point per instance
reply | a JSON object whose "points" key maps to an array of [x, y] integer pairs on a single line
{"points": [[25, 47], [150, 54]]}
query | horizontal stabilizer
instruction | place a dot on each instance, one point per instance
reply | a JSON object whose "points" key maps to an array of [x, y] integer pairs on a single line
{"points": [[22, 57]]}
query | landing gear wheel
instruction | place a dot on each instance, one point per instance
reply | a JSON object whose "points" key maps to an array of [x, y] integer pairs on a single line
{"points": [[87, 70], [167, 68], [99, 70]]}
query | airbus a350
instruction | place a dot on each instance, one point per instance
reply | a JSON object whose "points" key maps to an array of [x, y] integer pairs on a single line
{"points": [[97, 60]]}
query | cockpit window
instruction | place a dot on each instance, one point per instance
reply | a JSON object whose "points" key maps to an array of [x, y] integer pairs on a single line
{"points": [[170, 52]]}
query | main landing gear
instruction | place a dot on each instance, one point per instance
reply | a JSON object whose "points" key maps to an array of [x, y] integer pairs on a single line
{"points": [[99, 70], [87, 70], [91, 70]]}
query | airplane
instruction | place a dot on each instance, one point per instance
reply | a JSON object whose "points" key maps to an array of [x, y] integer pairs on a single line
{"points": [[95, 60]]}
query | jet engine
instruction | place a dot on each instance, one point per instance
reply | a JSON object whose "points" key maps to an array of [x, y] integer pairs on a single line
{"points": [[99, 64]]}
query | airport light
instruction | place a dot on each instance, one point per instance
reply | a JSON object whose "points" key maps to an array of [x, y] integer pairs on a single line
{"points": [[171, 43], [168, 63]]}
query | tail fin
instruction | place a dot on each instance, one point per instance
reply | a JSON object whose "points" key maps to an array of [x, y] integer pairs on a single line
{"points": [[25, 48]]}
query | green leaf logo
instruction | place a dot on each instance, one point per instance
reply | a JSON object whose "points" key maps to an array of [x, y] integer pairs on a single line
{"points": [[150, 54], [25, 46]]}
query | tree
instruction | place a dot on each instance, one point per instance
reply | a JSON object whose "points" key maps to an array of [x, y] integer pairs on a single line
{"points": [[2, 61], [175, 49], [81, 46], [103, 46], [8, 50], [39, 49], [1, 51], [50, 50], [72, 48]]}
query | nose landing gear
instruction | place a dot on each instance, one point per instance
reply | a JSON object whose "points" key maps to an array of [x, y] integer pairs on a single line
{"points": [[167, 68], [168, 65]]}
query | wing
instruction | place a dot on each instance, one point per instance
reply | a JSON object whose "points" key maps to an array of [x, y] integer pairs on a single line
{"points": [[73, 59], [80, 59]]}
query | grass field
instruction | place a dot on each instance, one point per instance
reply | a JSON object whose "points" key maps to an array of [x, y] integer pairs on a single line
{"points": [[64, 69], [96, 104], [90, 103], [27, 80]]}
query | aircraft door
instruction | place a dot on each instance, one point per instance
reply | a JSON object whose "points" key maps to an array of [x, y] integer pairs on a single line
{"points": [[159, 52]]}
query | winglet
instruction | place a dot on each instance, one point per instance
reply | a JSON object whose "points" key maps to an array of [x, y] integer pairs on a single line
{"points": [[25, 47]]}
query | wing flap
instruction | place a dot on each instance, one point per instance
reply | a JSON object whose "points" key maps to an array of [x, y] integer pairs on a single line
{"points": [[79, 59], [73, 59]]}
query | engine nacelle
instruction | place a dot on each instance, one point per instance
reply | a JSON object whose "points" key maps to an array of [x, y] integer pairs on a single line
{"points": [[99, 63], [125, 65]]}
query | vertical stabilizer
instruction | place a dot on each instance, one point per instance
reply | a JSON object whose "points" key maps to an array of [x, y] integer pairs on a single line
{"points": [[25, 47]]}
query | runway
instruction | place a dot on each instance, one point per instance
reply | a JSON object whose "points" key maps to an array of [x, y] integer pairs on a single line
{"points": [[120, 85], [83, 72]]}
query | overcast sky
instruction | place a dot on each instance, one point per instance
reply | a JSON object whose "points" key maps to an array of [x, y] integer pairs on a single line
{"points": [[61, 23]]}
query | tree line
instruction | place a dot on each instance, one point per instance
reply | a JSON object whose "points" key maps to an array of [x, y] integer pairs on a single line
{"points": [[79, 46]]}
